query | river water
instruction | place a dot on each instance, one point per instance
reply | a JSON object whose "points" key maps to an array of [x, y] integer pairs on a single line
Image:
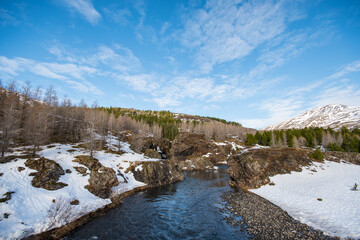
{"points": [[189, 209]]}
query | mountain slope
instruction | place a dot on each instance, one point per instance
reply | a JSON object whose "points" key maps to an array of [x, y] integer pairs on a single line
{"points": [[333, 116]]}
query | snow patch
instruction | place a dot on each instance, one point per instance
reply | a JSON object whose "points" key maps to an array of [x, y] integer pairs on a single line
{"points": [[320, 196]]}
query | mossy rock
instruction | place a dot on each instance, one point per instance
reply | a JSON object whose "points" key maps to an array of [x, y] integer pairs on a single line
{"points": [[81, 170], [88, 161], [47, 175], [151, 153], [7, 197]]}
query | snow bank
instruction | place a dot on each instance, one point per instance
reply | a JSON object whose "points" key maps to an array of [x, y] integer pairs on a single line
{"points": [[30, 208], [320, 196]]}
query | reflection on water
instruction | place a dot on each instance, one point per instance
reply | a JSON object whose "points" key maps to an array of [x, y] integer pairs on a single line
{"points": [[184, 210]]}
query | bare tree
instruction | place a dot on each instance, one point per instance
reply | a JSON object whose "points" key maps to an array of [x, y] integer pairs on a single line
{"points": [[9, 120], [36, 128]]}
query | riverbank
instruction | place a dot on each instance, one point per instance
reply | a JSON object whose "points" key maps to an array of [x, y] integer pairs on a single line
{"points": [[265, 220]]}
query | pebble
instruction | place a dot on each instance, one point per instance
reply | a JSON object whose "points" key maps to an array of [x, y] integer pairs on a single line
{"points": [[264, 220]]}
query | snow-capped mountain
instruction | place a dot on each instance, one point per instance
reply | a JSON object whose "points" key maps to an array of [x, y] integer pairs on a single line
{"points": [[333, 116]]}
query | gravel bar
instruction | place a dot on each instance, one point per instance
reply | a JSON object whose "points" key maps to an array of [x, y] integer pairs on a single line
{"points": [[263, 220]]}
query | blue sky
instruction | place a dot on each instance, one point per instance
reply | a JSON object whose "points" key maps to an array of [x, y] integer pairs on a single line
{"points": [[255, 62]]}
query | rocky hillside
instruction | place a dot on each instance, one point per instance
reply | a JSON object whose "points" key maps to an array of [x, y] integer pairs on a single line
{"points": [[333, 116]]}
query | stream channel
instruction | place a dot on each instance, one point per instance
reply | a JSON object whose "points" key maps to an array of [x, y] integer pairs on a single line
{"points": [[190, 209]]}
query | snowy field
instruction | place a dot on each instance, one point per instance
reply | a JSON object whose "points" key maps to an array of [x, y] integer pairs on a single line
{"points": [[32, 210], [320, 196]]}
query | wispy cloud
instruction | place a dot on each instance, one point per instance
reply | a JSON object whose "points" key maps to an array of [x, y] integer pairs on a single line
{"points": [[333, 89], [277, 110], [228, 30], [352, 67], [7, 18], [72, 74], [85, 8]]}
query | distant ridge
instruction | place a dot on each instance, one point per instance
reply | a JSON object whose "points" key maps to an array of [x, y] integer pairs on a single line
{"points": [[334, 116]]}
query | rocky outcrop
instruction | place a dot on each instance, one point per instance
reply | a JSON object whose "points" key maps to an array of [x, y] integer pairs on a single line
{"points": [[187, 145], [146, 145], [351, 157], [253, 168], [196, 164], [157, 173], [88, 161], [151, 153], [47, 175], [101, 181]]}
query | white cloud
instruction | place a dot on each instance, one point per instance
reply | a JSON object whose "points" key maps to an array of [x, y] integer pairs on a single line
{"points": [[227, 30], [120, 16], [278, 110], [140, 82], [347, 95], [7, 18], [85, 8], [72, 74], [119, 58], [352, 67]]}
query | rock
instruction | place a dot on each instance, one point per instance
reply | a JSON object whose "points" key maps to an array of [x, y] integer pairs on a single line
{"points": [[187, 145], [157, 173], [351, 157], [140, 143], [88, 161], [152, 153], [101, 181], [195, 146], [48, 173], [20, 169], [195, 164], [165, 147], [81, 170], [74, 202], [7, 197], [68, 171], [253, 169]]}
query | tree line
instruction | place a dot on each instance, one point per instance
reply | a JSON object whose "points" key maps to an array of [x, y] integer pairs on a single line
{"points": [[343, 140], [31, 117]]}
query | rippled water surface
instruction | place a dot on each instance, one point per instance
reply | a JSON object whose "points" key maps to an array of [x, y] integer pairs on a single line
{"points": [[185, 210]]}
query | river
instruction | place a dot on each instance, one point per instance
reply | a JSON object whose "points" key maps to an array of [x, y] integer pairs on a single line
{"points": [[189, 209]]}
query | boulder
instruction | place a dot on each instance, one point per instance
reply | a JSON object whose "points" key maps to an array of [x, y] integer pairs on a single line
{"points": [[157, 173], [151, 153], [195, 164], [253, 168], [101, 181], [88, 161], [48, 173], [187, 145]]}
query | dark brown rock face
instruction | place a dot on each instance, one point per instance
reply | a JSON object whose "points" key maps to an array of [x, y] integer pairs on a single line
{"points": [[157, 173], [195, 164], [198, 152], [187, 145], [48, 173], [101, 181], [253, 169], [351, 157], [151, 153]]}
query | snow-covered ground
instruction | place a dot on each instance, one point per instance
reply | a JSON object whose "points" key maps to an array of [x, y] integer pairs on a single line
{"points": [[320, 196], [30, 208]]}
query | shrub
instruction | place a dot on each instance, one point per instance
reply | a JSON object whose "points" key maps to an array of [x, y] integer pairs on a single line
{"points": [[250, 139], [317, 155]]}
